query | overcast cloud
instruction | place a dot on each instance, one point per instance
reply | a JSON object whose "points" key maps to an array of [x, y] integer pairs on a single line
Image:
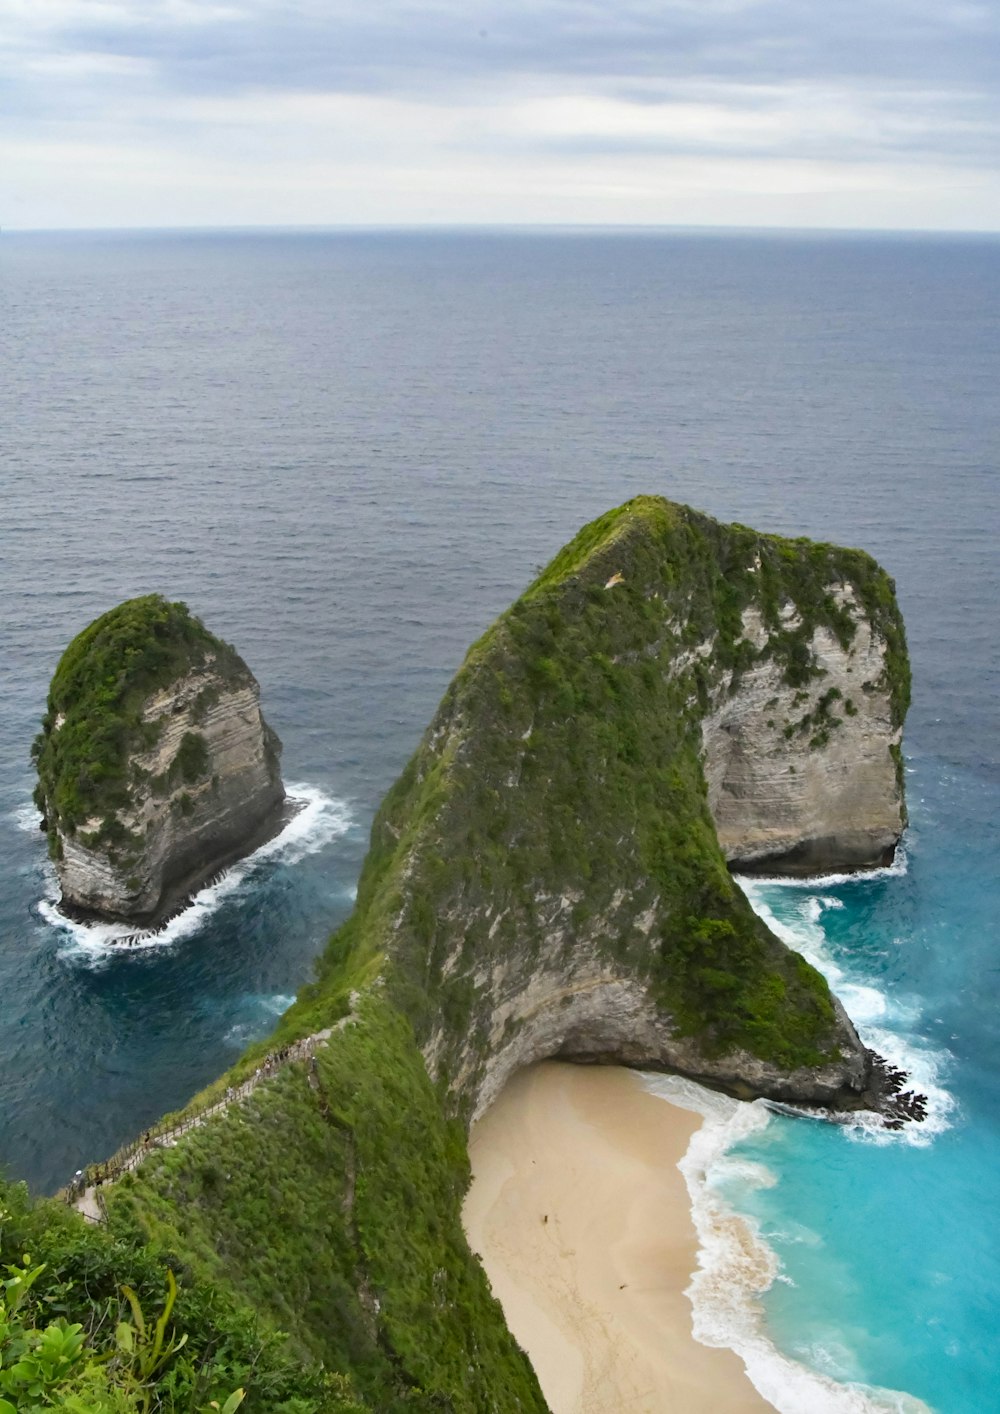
{"points": [[791, 112]]}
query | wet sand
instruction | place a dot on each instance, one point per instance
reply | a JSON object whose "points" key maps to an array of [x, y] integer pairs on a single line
{"points": [[583, 1224]]}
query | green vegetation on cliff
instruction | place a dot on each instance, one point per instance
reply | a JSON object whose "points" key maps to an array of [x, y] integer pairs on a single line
{"points": [[330, 1202], [720, 570], [564, 762], [551, 826], [93, 722], [91, 1323]]}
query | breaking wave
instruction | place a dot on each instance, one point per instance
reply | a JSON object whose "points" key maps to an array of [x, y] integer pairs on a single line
{"points": [[736, 1266], [317, 820], [884, 1021], [899, 866]]}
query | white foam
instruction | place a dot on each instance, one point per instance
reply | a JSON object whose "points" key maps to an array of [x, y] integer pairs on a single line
{"points": [[241, 1033], [318, 819], [27, 818], [884, 1021], [736, 1265], [277, 1004], [895, 870], [864, 1004]]}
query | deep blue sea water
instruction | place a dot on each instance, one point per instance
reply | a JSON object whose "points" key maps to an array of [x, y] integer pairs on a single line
{"points": [[348, 452]]}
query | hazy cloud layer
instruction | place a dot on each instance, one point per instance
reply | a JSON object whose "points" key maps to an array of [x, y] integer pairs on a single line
{"points": [[542, 87]]}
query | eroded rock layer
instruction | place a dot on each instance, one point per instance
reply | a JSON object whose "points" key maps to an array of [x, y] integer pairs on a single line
{"points": [[156, 767], [803, 777]]}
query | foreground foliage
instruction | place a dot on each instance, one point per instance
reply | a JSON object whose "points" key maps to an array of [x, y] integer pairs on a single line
{"points": [[96, 1324]]}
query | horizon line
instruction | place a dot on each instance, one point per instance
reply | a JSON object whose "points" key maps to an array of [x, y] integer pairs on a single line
{"points": [[510, 227]]}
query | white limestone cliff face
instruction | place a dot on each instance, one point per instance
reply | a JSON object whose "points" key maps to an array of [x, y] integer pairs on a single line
{"points": [[569, 1000], [804, 780], [800, 778], [180, 829]]}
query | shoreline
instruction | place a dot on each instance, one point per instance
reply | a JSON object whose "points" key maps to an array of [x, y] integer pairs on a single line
{"points": [[583, 1224], [313, 819]]}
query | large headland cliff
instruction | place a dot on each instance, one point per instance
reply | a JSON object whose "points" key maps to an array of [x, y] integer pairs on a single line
{"points": [[155, 766], [549, 877]]}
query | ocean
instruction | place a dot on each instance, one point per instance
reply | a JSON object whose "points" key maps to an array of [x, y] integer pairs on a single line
{"points": [[348, 452]]}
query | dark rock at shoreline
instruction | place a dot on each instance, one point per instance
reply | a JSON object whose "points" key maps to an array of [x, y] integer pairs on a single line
{"points": [[156, 767]]}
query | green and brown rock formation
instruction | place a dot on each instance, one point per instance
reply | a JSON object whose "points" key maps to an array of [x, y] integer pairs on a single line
{"points": [[546, 879], [155, 766]]}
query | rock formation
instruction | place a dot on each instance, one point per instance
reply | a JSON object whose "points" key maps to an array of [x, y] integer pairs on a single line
{"points": [[155, 765], [546, 879], [561, 888]]}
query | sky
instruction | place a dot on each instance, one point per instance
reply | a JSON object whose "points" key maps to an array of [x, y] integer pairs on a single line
{"points": [[870, 114]]}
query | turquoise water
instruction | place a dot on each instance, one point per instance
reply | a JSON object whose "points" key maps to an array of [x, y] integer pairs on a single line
{"points": [[889, 1250], [348, 453]]}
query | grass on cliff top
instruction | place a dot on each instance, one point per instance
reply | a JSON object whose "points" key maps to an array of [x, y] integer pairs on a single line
{"points": [[97, 694]]}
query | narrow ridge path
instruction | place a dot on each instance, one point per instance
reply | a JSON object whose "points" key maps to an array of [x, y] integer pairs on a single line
{"points": [[88, 1199]]}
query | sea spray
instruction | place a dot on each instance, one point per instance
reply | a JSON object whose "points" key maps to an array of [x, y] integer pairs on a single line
{"points": [[318, 819], [885, 1020], [27, 818], [261, 1012]]}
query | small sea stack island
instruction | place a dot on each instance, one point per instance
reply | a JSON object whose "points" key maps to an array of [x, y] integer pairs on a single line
{"points": [[155, 766]]}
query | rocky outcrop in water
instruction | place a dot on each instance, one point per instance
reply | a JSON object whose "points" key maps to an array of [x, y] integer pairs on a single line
{"points": [[156, 767]]}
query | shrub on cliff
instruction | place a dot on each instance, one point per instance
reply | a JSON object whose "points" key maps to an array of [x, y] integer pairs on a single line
{"points": [[91, 1324]]}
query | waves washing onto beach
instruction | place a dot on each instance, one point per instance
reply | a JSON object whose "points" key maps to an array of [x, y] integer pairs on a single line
{"points": [[318, 819], [736, 1265]]}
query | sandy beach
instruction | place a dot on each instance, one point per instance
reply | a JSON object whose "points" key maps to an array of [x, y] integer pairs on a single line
{"points": [[583, 1225]]}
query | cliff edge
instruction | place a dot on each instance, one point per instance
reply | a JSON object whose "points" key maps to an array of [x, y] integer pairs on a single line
{"points": [[155, 765], [670, 692], [802, 734]]}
